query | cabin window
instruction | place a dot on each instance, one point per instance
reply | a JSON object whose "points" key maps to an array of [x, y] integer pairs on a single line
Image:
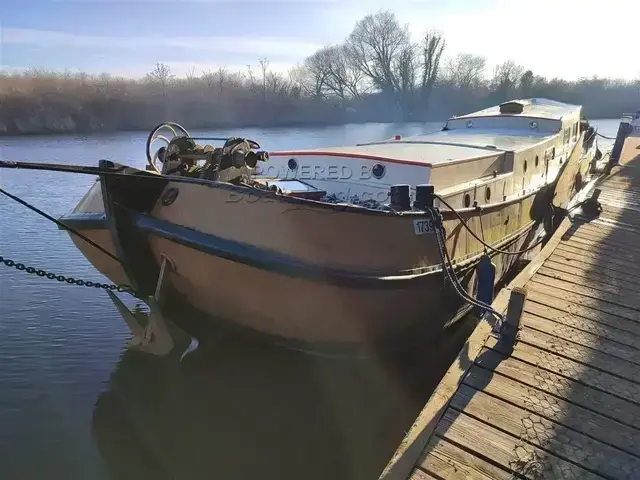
{"points": [[575, 130], [467, 200], [553, 153], [525, 166], [487, 194], [537, 161], [567, 135]]}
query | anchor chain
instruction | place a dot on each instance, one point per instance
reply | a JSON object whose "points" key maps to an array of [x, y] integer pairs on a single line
{"points": [[63, 279]]}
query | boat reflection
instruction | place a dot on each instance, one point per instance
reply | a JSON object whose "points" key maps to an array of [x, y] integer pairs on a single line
{"points": [[233, 409]]}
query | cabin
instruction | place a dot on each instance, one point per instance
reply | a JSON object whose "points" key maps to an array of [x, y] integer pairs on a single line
{"points": [[488, 156]]}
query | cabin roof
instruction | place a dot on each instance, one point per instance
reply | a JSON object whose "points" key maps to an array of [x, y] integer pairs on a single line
{"points": [[417, 153], [488, 138], [532, 107], [435, 148], [456, 144]]}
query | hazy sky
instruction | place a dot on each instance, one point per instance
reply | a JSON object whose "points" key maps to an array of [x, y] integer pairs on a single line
{"points": [[563, 38]]}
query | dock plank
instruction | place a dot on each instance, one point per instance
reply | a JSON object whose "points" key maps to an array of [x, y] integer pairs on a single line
{"points": [[604, 248], [418, 474], [610, 277], [603, 228], [575, 292], [573, 390], [569, 367], [564, 296], [593, 257], [556, 408], [590, 279], [446, 460], [582, 353], [543, 433], [583, 262], [603, 256], [507, 451], [609, 239], [617, 344], [583, 318]]}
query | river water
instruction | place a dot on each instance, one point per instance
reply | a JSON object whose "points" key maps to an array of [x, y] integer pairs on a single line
{"points": [[75, 404]]}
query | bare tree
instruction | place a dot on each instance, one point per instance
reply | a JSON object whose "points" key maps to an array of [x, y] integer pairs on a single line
{"points": [[103, 81], [374, 43], [344, 78], [280, 84], [251, 77], [505, 77], [190, 75], [222, 77], [209, 78], [160, 74], [264, 67], [431, 48], [405, 67], [317, 68], [465, 71]]}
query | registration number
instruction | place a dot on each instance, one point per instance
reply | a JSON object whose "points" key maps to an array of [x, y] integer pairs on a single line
{"points": [[423, 227]]}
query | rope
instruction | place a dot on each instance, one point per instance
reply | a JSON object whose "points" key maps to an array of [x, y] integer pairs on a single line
{"points": [[605, 137], [448, 269], [486, 245], [60, 224]]}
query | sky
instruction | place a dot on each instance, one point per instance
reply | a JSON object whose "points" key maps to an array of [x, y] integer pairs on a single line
{"points": [[554, 38]]}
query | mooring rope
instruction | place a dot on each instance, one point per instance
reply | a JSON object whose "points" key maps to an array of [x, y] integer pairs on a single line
{"points": [[59, 223]]}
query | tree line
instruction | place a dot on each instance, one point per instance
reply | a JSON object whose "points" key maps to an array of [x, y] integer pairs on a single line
{"points": [[378, 73]]}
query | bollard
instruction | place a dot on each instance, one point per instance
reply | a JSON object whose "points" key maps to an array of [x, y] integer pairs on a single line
{"points": [[424, 197], [400, 199]]}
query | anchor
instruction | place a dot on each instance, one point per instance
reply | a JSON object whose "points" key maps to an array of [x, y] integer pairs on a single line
{"points": [[155, 335]]}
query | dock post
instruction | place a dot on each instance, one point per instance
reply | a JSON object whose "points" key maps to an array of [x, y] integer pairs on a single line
{"points": [[515, 308], [623, 131]]}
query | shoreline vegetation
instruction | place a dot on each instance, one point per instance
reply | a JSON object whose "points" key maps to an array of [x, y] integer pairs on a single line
{"points": [[376, 75]]}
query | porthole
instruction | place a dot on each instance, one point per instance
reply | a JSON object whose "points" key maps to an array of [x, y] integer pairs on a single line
{"points": [[470, 124], [525, 166], [533, 125], [487, 194], [378, 170], [292, 164], [537, 161], [467, 200]]}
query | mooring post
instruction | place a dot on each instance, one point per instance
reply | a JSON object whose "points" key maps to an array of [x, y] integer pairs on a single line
{"points": [[515, 308]]}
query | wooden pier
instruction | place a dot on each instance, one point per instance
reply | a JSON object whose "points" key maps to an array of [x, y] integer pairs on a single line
{"points": [[556, 394]]}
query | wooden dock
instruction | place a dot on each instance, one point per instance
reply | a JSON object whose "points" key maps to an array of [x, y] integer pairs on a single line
{"points": [[557, 393]]}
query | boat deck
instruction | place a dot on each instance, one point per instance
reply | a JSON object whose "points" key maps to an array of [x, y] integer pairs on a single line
{"points": [[557, 393]]}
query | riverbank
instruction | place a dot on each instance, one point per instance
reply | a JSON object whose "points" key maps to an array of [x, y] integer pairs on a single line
{"points": [[54, 104]]}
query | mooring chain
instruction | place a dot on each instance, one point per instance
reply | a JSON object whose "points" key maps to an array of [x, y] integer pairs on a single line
{"points": [[61, 278]]}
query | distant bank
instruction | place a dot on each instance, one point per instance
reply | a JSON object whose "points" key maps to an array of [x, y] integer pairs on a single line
{"points": [[54, 104]]}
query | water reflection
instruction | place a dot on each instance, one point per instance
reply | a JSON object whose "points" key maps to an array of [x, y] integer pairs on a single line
{"points": [[236, 409]]}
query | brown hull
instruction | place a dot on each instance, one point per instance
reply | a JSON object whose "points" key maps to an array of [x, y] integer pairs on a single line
{"points": [[299, 271], [314, 311]]}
